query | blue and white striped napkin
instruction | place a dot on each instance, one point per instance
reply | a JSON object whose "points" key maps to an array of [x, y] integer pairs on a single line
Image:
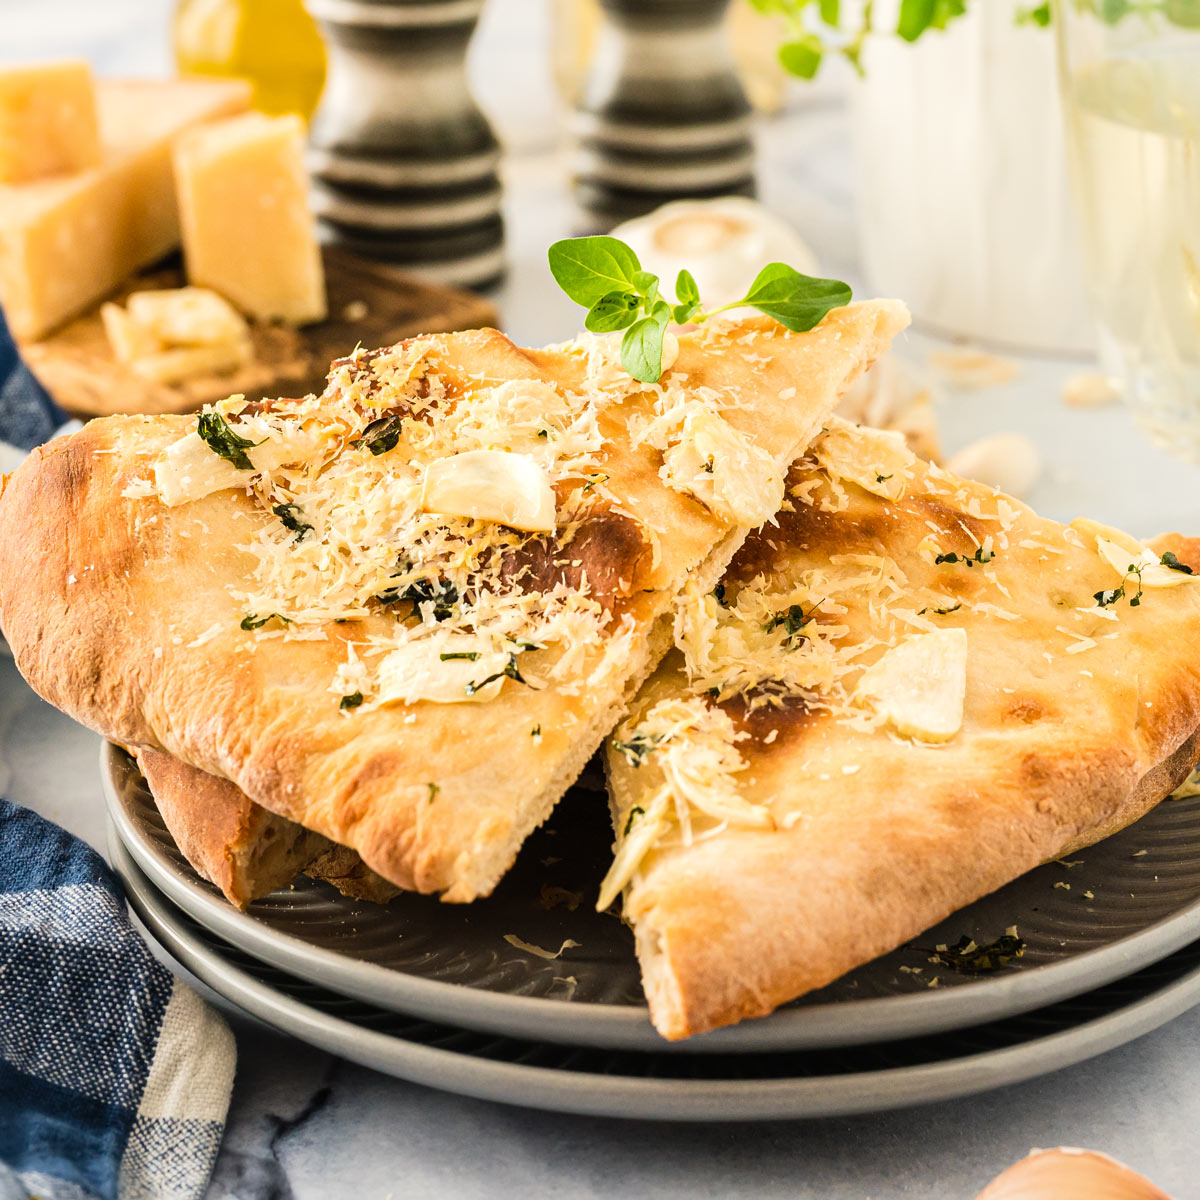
{"points": [[114, 1076]]}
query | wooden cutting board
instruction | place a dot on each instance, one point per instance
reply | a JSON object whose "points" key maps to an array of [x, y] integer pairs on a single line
{"points": [[370, 304]]}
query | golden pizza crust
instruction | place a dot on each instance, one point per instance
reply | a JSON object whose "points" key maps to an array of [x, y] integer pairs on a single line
{"points": [[1075, 724], [119, 610]]}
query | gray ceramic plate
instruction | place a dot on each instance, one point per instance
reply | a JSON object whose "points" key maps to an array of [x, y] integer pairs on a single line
{"points": [[658, 1086], [1131, 900]]}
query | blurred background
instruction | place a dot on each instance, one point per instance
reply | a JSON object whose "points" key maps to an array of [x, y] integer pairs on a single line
{"points": [[918, 148]]}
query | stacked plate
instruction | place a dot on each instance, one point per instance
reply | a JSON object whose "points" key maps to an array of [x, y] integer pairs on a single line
{"points": [[531, 997]]}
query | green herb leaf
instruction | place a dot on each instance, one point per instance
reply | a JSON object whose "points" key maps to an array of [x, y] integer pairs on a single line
{"points": [[253, 621], [433, 791], [351, 701], [688, 296], [510, 671], [915, 17], [647, 287], [636, 811], [1037, 15], [798, 302], [617, 310], [830, 11], [639, 745], [293, 519], [589, 268], [380, 435], [686, 291], [719, 593], [221, 438], [793, 620], [536, 731], [641, 347], [597, 477], [802, 57], [980, 556], [468, 655], [441, 592], [1169, 560]]}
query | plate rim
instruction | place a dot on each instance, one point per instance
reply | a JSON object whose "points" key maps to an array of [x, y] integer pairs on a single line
{"points": [[636, 1097], [626, 1026]]}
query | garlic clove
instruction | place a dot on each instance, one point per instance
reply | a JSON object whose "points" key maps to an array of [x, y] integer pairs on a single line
{"points": [[491, 485], [1070, 1174], [1008, 462], [920, 684]]}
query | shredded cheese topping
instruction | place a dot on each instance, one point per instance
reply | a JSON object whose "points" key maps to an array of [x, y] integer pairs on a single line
{"points": [[414, 490], [689, 749]]}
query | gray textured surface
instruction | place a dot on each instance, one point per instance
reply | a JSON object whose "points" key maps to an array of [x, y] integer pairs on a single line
{"points": [[309, 1127]]}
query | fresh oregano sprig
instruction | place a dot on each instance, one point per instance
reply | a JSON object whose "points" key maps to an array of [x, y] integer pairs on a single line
{"points": [[604, 275]]}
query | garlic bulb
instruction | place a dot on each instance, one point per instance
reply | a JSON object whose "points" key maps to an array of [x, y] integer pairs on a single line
{"points": [[724, 243]]}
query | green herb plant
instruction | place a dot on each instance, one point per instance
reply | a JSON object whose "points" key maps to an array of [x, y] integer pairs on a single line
{"points": [[816, 29], [604, 275]]}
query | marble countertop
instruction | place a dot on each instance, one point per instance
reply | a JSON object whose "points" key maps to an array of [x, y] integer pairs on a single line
{"points": [[304, 1124]]}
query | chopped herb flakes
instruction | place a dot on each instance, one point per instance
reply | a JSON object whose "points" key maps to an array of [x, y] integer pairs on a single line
{"points": [[1111, 596], [593, 480], [536, 731], [441, 592], [636, 811], [793, 620], [882, 478], [219, 436], [469, 655], [638, 746], [351, 701], [941, 612], [433, 791], [980, 556], [719, 593], [253, 621], [1169, 560], [292, 519], [510, 671], [380, 435], [967, 956]]}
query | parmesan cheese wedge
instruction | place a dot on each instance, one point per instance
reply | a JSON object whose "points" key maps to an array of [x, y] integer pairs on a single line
{"points": [[491, 485], [919, 685], [188, 316]]}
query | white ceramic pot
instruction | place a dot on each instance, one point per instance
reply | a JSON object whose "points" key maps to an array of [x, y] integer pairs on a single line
{"points": [[962, 186]]}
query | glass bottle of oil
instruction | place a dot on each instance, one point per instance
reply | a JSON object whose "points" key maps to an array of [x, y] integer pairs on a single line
{"points": [[273, 43]]}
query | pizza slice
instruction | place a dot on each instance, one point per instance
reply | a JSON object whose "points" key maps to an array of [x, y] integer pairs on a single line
{"points": [[907, 691], [404, 613], [241, 847]]}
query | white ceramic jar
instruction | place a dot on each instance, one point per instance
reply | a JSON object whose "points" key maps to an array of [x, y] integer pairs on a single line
{"points": [[962, 182]]}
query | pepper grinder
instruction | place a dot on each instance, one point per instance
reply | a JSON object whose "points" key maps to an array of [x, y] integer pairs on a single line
{"points": [[662, 115], [404, 163]]}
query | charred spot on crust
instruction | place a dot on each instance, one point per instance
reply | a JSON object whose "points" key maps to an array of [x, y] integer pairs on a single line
{"points": [[609, 550], [809, 529], [784, 718], [1027, 710]]}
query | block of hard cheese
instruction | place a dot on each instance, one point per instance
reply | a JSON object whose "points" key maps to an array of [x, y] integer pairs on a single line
{"points": [[247, 229], [48, 123], [68, 241]]}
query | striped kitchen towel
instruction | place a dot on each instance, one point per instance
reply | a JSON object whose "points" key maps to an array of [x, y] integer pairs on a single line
{"points": [[28, 416], [114, 1076]]}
